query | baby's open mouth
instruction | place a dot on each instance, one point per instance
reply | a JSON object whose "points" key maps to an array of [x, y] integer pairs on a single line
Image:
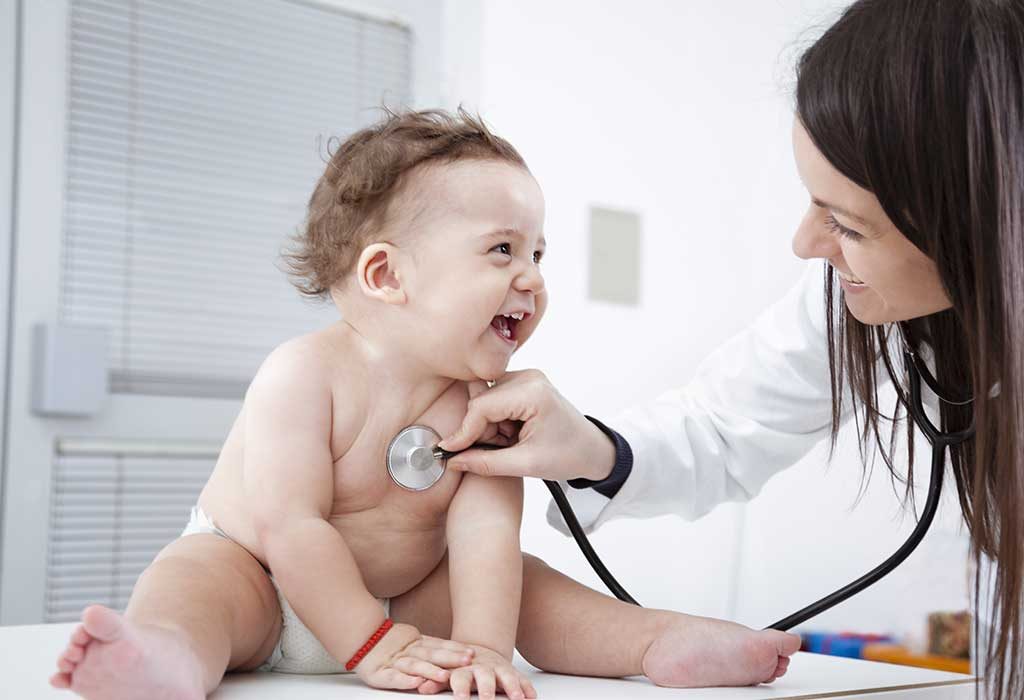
{"points": [[505, 325]]}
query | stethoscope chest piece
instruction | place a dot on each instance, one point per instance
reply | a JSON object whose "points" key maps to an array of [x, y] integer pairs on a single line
{"points": [[413, 461]]}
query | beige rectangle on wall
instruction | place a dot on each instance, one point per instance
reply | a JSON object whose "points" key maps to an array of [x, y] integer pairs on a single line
{"points": [[614, 256]]}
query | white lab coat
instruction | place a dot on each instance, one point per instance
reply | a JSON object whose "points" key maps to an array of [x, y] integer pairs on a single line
{"points": [[756, 406]]}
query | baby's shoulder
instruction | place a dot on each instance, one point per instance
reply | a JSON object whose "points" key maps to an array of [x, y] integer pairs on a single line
{"points": [[303, 359], [307, 368], [298, 384]]}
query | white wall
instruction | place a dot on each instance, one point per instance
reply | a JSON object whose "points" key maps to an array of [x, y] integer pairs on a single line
{"points": [[8, 82], [682, 112]]}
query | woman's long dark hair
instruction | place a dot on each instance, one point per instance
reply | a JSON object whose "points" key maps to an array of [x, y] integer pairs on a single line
{"points": [[921, 102]]}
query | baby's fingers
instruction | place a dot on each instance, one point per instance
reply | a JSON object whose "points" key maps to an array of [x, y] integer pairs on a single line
{"points": [[511, 682], [438, 643], [462, 682], [393, 679], [418, 667], [443, 657], [485, 683], [431, 688]]}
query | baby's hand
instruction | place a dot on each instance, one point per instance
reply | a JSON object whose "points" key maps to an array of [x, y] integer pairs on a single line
{"points": [[404, 659], [489, 671]]}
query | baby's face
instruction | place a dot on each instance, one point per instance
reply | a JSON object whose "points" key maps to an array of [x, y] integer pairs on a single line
{"points": [[475, 237]]}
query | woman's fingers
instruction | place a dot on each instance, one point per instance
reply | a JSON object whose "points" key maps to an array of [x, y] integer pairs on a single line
{"points": [[482, 415], [507, 461], [513, 398], [547, 436], [509, 430]]}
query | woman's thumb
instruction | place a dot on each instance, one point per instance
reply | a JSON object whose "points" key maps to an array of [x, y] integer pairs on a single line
{"points": [[473, 426], [460, 439]]}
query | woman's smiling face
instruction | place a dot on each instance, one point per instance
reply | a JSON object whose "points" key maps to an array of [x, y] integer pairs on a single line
{"points": [[884, 276]]}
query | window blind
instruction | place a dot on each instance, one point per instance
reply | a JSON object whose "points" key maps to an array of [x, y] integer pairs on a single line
{"points": [[111, 512], [196, 131]]}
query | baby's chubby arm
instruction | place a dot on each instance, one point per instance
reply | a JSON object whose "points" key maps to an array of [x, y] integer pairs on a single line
{"points": [[289, 486], [485, 562]]}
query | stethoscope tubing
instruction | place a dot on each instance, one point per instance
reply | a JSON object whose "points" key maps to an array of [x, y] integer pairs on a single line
{"points": [[939, 440]]}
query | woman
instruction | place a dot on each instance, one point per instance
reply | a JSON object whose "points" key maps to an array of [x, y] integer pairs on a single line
{"points": [[909, 137]]}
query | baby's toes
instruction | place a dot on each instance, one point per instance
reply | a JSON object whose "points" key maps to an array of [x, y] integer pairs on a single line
{"points": [[60, 680], [786, 643], [80, 636], [65, 665], [74, 653], [783, 666]]}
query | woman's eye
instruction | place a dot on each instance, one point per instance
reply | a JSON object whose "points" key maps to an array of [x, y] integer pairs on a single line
{"points": [[836, 227], [503, 248]]}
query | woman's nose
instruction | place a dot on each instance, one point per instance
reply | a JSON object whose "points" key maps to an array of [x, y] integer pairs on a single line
{"points": [[813, 239]]}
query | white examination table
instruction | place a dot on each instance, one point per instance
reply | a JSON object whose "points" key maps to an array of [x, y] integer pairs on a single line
{"points": [[28, 656]]}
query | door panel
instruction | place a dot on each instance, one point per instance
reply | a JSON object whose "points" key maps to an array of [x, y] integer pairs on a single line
{"points": [[167, 149]]}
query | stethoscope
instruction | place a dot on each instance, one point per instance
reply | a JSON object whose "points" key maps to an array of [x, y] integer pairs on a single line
{"points": [[416, 463]]}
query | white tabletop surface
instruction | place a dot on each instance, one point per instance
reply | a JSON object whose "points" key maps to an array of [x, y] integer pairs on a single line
{"points": [[28, 655]]}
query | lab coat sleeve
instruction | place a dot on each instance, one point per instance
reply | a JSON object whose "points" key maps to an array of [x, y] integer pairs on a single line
{"points": [[756, 406]]}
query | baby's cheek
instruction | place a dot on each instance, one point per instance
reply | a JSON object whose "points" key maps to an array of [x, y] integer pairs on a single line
{"points": [[527, 327], [524, 329]]}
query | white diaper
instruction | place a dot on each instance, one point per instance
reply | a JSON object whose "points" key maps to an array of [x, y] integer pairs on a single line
{"points": [[297, 650]]}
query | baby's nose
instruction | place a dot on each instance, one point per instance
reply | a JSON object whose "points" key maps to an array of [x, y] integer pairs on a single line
{"points": [[531, 280]]}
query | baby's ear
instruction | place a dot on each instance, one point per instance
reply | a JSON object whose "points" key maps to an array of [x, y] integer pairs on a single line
{"points": [[377, 275]]}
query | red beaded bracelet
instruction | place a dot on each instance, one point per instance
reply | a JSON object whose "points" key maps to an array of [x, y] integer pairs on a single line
{"points": [[370, 644]]}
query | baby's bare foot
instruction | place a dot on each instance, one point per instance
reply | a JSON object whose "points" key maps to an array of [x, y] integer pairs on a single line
{"points": [[695, 652], [110, 658]]}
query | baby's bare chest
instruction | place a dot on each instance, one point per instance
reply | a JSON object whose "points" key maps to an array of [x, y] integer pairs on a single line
{"points": [[396, 535], [363, 482]]}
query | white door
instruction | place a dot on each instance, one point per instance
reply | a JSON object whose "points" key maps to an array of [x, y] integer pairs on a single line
{"points": [[165, 153]]}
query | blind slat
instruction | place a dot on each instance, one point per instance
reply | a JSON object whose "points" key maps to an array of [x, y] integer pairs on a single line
{"points": [[109, 517], [192, 149]]}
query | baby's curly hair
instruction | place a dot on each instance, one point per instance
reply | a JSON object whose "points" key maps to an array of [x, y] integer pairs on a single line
{"points": [[349, 203]]}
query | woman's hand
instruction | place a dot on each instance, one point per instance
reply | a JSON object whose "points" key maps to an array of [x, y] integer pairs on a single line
{"points": [[405, 659], [549, 438], [489, 673]]}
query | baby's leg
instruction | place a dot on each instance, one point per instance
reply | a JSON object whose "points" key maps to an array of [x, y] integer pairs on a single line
{"points": [[204, 605], [565, 627]]}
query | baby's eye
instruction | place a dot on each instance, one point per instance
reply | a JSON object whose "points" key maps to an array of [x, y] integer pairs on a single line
{"points": [[503, 248], [537, 256]]}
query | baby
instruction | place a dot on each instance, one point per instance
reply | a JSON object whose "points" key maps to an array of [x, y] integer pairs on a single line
{"points": [[302, 555]]}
